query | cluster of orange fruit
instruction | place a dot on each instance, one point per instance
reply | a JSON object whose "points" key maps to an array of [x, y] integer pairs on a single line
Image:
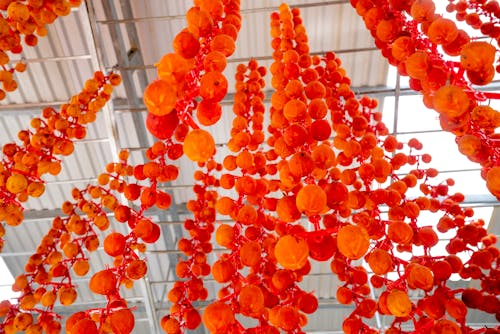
{"points": [[200, 53], [196, 248], [340, 186], [183, 294], [411, 36], [195, 67], [481, 15], [21, 22], [65, 246], [50, 137]]}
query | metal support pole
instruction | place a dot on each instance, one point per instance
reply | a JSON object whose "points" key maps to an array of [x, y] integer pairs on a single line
{"points": [[54, 59], [261, 58], [131, 19]]}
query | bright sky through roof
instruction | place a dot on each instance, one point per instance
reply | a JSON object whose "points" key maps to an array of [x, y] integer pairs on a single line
{"points": [[6, 281]]}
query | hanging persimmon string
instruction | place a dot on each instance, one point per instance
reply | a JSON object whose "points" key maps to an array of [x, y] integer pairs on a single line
{"points": [[195, 67], [51, 136], [416, 39], [333, 185], [21, 23], [65, 248]]}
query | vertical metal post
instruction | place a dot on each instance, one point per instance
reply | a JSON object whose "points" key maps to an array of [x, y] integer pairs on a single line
{"points": [[377, 315], [397, 92], [122, 55]]}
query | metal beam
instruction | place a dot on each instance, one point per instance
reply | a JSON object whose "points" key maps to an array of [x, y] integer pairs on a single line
{"points": [[323, 303], [30, 107], [484, 200], [243, 11], [120, 105], [261, 58], [51, 59], [372, 91]]}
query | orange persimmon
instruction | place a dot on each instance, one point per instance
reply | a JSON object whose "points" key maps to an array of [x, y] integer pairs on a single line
{"points": [[456, 309], [225, 235], [477, 55], [493, 181], [442, 31], [223, 44], [291, 252], [222, 271], [199, 21], [295, 110], [422, 10], [367, 308], [402, 48], [81, 267], [417, 65], [469, 145], [199, 145], [301, 164], [287, 209], [482, 77], [208, 112], [455, 47], [380, 261], [353, 241], [387, 30], [73, 319], [215, 61], [103, 282], [122, 321], [67, 295], [344, 295], [218, 317], [317, 108], [321, 247], [84, 326], [136, 269], [420, 277], [160, 97], [16, 183], [295, 135], [250, 253], [186, 44], [170, 325], [172, 64], [400, 232], [4, 307], [352, 325], [445, 326], [162, 126], [115, 244], [22, 321], [399, 303], [251, 300], [311, 200], [213, 86], [192, 318]]}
